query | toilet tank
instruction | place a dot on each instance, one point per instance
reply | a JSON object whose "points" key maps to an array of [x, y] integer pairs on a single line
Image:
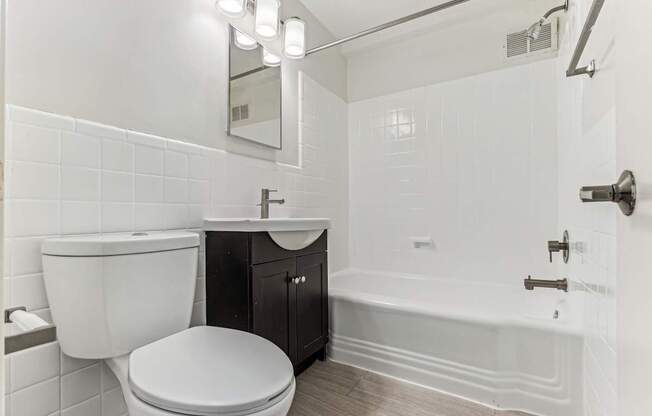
{"points": [[110, 294]]}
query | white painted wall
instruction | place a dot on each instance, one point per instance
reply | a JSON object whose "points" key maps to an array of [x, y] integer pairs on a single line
{"points": [[70, 176], [155, 66], [587, 156], [460, 42], [634, 148], [470, 163]]}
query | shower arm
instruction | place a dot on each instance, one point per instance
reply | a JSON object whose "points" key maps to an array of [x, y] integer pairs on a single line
{"points": [[390, 24], [562, 8]]}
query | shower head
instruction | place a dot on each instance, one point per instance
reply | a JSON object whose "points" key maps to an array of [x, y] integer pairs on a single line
{"points": [[535, 30]]}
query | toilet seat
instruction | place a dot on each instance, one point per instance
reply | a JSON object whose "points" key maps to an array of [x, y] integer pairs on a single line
{"points": [[210, 371]]}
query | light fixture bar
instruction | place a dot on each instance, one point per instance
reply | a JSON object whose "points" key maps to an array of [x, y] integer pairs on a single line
{"points": [[387, 25]]}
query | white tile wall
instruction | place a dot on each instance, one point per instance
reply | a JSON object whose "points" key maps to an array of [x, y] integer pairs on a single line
{"points": [[470, 163], [587, 155], [67, 176]]}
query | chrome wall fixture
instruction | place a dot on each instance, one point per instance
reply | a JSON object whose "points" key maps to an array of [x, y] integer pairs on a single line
{"points": [[534, 31], [560, 284], [622, 193], [562, 247], [590, 69]]}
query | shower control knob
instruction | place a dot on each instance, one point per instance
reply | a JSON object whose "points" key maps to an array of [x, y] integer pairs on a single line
{"points": [[560, 246], [622, 193], [303, 279], [296, 280]]}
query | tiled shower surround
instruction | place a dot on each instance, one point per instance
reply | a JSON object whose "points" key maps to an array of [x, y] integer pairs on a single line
{"points": [[587, 156], [67, 176], [470, 164]]}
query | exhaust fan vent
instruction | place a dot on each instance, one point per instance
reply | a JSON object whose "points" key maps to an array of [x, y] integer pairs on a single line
{"points": [[518, 45]]}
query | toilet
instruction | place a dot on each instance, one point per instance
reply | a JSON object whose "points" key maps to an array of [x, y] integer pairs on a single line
{"points": [[128, 299]]}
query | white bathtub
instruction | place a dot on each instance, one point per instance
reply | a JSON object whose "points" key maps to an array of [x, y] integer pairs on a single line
{"points": [[493, 344]]}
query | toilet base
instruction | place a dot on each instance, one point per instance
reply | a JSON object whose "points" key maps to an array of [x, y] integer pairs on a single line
{"points": [[137, 407]]}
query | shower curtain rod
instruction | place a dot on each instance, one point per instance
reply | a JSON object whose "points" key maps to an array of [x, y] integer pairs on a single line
{"points": [[387, 25]]}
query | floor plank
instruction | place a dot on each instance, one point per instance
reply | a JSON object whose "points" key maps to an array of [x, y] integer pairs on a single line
{"points": [[333, 389]]}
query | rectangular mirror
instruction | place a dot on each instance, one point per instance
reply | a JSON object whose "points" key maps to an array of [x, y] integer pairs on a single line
{"points": [[254, 96]]}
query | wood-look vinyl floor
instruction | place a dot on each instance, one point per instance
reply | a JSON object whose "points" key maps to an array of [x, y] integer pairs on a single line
{"points": [[332, 389]]}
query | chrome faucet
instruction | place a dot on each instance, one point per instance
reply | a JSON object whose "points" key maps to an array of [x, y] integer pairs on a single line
{"points": [[265, 201], [561, 284]]}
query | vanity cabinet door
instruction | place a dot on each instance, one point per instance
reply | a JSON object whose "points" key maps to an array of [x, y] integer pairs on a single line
{"points": [[312, 304], [273, 301]]}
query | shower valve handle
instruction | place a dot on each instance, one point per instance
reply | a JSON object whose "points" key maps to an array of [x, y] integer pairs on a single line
{"points": [[562, 247], [622, 193]]}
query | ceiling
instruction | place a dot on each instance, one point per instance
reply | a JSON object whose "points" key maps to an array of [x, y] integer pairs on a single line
{"points": [[346, 17]]}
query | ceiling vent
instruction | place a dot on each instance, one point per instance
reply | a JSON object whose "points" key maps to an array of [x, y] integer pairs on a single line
{"points": [[518, 45]]}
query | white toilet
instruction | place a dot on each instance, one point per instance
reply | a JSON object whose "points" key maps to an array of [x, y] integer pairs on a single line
{"points": [[128, 298]]}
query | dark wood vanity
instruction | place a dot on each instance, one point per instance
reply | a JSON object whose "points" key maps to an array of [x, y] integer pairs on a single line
{"points": [[254, 285]]}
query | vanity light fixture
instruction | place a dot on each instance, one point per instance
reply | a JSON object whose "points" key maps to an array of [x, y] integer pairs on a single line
{"points": [[294, 39], [244, 42], [266, 21], [231, 8], [271, 60]]}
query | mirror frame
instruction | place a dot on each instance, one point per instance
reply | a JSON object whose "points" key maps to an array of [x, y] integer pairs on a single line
{"points": [[228, 98]]}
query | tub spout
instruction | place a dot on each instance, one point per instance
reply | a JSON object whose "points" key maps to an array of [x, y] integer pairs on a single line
{"points": [[561, 284]]}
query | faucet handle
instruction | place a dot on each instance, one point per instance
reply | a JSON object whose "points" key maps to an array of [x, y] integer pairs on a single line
{"points": [[560, 246]]}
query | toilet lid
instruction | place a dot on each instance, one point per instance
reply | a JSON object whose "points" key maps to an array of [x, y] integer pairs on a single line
{"points": [[210, 371]]}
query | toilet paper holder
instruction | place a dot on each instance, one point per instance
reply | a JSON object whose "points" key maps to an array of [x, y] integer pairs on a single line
{"points": [[27, 339], [9, 311]]}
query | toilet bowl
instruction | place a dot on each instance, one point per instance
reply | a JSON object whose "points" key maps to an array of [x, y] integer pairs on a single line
{"points": [[127, 299], [186, 374]]}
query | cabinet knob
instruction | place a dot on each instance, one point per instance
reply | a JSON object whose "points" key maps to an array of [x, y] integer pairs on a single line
{"points": [[303, 279], [296, 280]]}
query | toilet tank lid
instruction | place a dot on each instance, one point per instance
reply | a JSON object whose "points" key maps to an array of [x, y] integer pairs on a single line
{"points": [[118, 244]]}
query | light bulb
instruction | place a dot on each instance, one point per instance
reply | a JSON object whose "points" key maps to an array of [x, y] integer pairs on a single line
{"points": [[269, 59], [231, 8], [267, 18], [244, 42], [294, 43]]}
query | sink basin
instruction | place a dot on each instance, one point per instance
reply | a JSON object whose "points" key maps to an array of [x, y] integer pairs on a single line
{"points": [[289, 233]]}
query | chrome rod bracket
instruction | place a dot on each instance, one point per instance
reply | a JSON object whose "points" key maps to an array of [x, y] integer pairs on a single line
{"points": [[585, 70], [573, 67], [622, 193]]}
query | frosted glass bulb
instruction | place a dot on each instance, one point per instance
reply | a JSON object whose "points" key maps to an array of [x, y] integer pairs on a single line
{"points": [[231, 8], [269, 59], [267, 18], [294, 43], [244, 42]]}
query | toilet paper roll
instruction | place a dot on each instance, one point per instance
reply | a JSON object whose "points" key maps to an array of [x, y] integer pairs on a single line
{"points": [[27, 321]]}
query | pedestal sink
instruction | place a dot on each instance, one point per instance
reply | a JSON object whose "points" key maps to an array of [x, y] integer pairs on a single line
{"points": [[289, 233]]}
